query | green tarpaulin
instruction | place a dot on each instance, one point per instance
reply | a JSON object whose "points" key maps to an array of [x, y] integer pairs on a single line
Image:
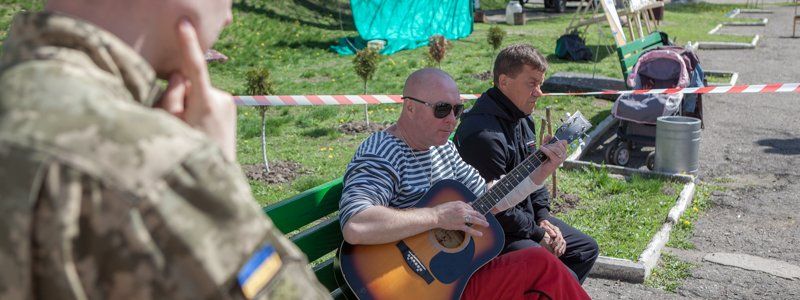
{"points": [[406, 24]]}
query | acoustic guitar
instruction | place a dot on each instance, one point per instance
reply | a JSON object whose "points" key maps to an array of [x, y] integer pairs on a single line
{"points": [[437, 264]]}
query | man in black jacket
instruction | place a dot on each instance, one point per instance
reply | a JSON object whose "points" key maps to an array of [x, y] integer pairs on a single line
{"points": [[497, 134]]}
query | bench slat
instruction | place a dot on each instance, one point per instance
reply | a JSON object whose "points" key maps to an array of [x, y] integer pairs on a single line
{"points": [[293, 213], [629, 53], [324, 272], [320, 239], [653, 38]]}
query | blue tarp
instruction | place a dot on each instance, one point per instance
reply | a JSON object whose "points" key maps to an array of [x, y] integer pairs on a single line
{"points": [[406, 24]]}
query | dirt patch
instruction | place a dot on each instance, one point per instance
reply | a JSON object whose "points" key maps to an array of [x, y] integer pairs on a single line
{"points": [[565, 203], [601, 103], [668, 190], [279, 172], [484, 76], [362, 127]]}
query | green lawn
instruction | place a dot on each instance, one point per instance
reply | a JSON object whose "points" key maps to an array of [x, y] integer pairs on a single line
{"points": [[622, 215], [292, 40]]}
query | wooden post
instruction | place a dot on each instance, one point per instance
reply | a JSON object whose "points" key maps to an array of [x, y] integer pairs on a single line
{"points": [[550, 133], [630, 28], [795, 19], [647, 20], [638, 17], [540, 139]]}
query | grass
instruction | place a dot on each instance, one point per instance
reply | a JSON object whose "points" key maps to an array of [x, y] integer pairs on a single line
{"points": [[669, 273], [622, 215], [719, 79], [681, 234]]}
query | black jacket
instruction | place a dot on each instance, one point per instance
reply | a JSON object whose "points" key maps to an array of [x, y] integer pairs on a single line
{"points": [[493, 137]]}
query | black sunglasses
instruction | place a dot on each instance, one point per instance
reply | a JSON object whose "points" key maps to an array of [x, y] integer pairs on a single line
{"points": [[441, 109]]}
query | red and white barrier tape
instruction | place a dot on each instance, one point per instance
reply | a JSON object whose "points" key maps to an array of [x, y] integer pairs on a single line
{"points": [[284, 100], [290, 100], [731, 89]]}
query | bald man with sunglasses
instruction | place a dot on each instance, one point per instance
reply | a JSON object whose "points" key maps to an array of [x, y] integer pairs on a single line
{"points": [[393, 169]]}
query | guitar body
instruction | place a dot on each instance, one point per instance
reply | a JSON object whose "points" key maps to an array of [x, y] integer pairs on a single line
{"points": [[436, 264]]}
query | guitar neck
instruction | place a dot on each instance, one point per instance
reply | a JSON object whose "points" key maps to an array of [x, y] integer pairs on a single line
{"points": [[504, 186]]}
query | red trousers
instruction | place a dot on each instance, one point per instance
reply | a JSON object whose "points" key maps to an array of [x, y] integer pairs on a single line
{"points": [[530, 273]]}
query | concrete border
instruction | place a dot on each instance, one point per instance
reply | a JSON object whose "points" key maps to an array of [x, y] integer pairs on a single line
{"points": [[618, 269], [714, 31], [581, 165], [763, 22], [727, 45], [754, 11], [735, 12], [649, 258]]}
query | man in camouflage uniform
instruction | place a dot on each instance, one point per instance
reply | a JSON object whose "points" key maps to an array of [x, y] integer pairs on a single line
{"points": [[103, 196]]}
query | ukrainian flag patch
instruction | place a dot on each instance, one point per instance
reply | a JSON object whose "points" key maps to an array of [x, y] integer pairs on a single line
{"points": [[258, 271]]}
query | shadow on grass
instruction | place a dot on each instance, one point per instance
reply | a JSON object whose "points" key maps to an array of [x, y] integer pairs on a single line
{"points": [[324, 45], [599, 117], [599, 53], [346, 17], [320, 132]]}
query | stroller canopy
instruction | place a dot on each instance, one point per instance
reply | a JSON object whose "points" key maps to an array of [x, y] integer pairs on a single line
{"points": [[655, 69]]}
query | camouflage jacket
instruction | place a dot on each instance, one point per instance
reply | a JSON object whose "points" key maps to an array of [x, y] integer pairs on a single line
{"points": [[104, 197]]}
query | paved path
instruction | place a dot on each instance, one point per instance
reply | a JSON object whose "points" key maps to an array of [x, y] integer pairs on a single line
{"points": [[751, 145]]}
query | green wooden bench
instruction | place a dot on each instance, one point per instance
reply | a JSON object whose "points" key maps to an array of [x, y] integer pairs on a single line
{"points": [[303, 217], [629, 53]]}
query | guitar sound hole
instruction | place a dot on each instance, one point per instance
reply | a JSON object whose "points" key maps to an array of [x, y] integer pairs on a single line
{"points": [[450, 239]]}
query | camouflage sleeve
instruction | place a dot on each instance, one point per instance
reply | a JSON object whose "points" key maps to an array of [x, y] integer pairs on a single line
{"points": [[186, 236], [234, 229]]}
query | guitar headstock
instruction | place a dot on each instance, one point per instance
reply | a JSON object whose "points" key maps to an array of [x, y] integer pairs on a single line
{"points": [[573, 128]]}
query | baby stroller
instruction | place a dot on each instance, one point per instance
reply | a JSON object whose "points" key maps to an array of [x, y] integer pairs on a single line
{"points": [[663, 67]]}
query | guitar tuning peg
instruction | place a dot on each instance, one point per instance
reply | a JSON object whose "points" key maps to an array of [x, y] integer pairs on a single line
{"points": [[568, 115]]}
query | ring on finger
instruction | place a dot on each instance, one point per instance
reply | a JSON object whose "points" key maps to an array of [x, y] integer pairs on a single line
{"points": [[467, 219]]}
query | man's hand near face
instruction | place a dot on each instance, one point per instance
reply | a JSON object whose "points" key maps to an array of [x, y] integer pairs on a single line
{"points": [[190, 96]]}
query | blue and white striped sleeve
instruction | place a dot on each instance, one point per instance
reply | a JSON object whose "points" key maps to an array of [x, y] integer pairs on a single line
{"points": [[369, 180], [465, 173]]}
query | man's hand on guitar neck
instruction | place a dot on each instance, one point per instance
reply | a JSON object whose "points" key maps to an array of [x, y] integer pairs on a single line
{"points": [[556, 154]]}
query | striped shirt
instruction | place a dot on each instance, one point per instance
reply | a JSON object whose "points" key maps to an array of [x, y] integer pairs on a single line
{"points": [[385, 171]]}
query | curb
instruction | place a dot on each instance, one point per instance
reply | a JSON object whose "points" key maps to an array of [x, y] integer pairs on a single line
{"points": [[618, 269], [727, 45], [581, 165]]}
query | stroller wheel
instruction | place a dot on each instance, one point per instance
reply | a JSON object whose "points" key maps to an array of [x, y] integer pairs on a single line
{"points": [[609, 154], [651, 161], [622, 154]]}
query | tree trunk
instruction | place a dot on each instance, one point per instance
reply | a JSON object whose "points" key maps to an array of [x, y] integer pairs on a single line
{"points": [[263, 111], [366, 108]]}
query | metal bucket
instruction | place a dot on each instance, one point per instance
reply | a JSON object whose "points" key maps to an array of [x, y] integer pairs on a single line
{"points": [[677, 144]]}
